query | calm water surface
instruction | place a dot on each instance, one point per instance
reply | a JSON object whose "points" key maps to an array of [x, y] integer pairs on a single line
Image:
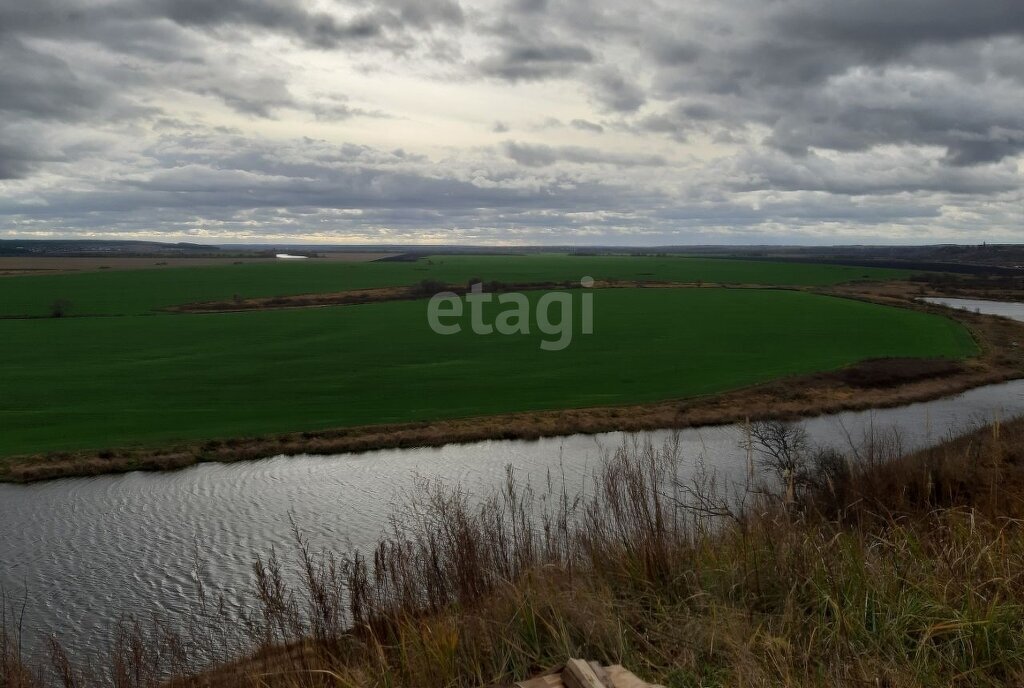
{"points": [[1004, 308]]}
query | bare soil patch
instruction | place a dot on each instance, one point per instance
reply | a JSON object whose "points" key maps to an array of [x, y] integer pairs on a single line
{"points": [[890, 372], [354, 256], [425, 289]]}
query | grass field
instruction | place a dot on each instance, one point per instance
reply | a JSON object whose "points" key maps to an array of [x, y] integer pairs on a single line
{"points": [[143, 291], [80, 383]]}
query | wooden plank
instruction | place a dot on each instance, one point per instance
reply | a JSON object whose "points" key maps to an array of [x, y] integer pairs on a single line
{"points": [[623, 678], [602, 675], [579, 674], [553, 681]]}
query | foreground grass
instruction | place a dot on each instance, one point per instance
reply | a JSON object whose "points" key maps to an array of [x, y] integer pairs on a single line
{"points": [[81, 383], [145, 291], [872, 569], [882, 570]]}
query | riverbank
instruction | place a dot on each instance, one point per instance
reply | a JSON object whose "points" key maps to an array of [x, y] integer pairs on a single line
{"points": [[873, 568], [866, 385]]}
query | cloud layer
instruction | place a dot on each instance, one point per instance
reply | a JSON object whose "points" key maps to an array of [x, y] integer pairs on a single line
{"points": [[527, 121]]}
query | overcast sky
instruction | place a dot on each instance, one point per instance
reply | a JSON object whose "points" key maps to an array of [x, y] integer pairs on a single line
{"points": [[528, 121]]}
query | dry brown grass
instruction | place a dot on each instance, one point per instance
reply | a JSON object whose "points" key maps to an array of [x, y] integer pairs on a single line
{"points": [[424, 289], [939, 285], [876, 570], [982, 471]]}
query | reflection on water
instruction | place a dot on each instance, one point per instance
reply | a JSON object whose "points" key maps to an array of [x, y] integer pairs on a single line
{"points": [[1003, 308]]}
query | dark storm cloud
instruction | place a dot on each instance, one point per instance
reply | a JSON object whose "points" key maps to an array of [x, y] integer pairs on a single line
{"points": [[318, 29], [43, 82], [968, 152], [103, 22], [616, 92], [334, 110], [315, 28], [882, 28], [43, 86], [683, 119], [191, 45], [974, 123], [533, 155], [40, 95], [536, 61], [529, 6], [586, 125], [668, 50], [848, 75], [866, 175], [803, 42], [425, 14], [15, 161]]}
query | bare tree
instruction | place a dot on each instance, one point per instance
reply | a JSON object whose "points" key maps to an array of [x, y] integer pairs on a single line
{"points": [[782, 447]]}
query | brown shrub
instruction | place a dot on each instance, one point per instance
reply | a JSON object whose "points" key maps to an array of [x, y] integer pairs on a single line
{"points": [[891, 372]]}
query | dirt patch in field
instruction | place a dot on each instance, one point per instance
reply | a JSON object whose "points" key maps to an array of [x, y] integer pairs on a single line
{"points": [[354, 256], [423, 290], [891, 372]]}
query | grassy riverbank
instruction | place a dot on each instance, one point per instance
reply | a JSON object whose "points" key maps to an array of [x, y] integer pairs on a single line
{"points": [[866, 569]]}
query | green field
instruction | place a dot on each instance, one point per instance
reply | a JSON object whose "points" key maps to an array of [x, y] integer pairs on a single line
{"points": [[141, 291], [94, 382]]}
